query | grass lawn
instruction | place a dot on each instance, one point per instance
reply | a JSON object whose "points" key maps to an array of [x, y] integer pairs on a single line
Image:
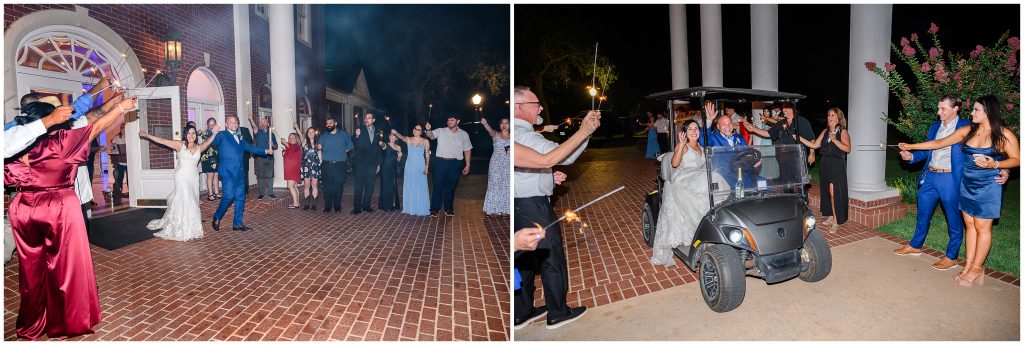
{"points": [[1005, 253]]}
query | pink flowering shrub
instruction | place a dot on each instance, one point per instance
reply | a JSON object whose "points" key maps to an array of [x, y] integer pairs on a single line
{"points": [[934, 72]]}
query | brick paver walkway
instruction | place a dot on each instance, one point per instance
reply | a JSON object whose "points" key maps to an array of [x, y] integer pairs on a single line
{"points": [[609, 261], [307, 276]]}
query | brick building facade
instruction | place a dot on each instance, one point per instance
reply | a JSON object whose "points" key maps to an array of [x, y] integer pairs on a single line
{"points": [[208, 38]]}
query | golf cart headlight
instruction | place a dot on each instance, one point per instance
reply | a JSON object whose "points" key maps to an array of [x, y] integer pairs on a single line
{"points": [[809, 222], [735, 236]]}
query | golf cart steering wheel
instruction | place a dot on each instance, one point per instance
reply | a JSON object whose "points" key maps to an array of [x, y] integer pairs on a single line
{"points": [[745, 159]]}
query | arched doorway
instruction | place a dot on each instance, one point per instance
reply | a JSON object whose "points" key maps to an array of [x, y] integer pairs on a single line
{"points": [[205, 99], [61, 52], [65, 62]]}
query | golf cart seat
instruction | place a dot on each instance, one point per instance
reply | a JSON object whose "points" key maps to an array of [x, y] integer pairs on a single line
{"points": [[666, 167]]}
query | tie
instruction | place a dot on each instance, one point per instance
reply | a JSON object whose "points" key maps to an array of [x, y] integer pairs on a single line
{"points": [[370, 134], [238, 137]]}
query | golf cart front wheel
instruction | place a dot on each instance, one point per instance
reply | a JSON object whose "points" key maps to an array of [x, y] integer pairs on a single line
{"points": [[817, 255], [721, 277]]}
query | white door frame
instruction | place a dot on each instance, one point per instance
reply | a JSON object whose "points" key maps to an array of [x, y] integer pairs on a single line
{"points": [[150, 184]]}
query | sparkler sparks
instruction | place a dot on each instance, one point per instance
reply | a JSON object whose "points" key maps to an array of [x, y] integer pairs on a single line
{"points": [[573, 216]]}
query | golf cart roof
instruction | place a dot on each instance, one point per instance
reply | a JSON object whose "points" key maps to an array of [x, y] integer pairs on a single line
{"points": [[726, 94]]}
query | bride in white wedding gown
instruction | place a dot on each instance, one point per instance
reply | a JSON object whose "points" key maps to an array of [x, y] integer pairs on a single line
{"points": [[182, 220], [684, 196]]}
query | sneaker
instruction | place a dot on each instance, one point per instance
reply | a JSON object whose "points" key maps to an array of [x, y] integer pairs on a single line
{"points": [[434, 213], [907, 250], [538, 312], [573, 315], [449, 213], [944, 264]]}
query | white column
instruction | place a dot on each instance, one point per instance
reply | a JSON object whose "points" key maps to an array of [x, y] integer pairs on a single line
{"points": [[711, 45], [678, 43], [764, 47], [282, 72], [870, 30], [243, 67], [764, 56], [243, 74]]}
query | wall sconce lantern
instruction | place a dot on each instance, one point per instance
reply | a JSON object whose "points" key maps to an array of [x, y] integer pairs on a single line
{"points": [[172, 52]]}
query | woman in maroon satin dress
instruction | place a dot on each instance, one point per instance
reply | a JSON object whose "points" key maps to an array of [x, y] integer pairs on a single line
{"points": [[56, 280]]}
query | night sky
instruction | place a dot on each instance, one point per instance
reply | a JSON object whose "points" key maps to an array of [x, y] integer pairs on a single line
{"points": [[379, 39], [813, 45]]}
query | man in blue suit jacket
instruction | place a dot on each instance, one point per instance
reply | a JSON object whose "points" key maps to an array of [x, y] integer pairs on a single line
{"points": [[231, 149], [940, 182]]}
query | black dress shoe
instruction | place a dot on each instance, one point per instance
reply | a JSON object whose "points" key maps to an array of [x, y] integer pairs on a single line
{"points": [[449, 213], [573, 315], [260, 197], [434, 213], [356, 211], [327, 210], [241, 228], [272, 196], [538, 312], [368, 210], [216, 224]]}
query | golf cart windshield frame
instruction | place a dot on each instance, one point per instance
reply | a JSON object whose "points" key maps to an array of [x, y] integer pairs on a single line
{"points": [[719, 95]]}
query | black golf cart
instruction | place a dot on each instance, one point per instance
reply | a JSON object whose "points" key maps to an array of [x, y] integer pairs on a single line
{"points": [[758, 223]]}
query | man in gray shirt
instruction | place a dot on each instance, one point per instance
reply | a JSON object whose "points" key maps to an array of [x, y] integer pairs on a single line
{"points": [[533, 189], [334, 145], [453, 155]]}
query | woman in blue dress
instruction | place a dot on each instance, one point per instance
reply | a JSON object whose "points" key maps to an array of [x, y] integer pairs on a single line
{"points": [[652, 139], [988, 145], [415, 193]]}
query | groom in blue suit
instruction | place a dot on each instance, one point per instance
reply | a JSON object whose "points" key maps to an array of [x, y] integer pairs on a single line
{"points": [[940, 182], [231, 149]]}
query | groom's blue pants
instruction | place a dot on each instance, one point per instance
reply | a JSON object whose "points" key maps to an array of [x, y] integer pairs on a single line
{"points": [[234, 192], [939, 187]]}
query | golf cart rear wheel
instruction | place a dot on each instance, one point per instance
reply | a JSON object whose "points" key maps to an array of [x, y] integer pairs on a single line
{"points": [[721, 277], [649, 226], [817, 254]]}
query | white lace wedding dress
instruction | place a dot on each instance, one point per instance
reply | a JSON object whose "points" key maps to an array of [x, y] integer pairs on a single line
{"points": [[684, 203], [182, 221]]}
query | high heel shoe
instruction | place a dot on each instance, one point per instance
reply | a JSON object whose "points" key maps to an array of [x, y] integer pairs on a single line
{"points": [[966, 280]]}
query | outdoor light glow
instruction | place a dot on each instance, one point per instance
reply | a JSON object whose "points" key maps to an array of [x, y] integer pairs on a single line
{"points": [[477, 99]]}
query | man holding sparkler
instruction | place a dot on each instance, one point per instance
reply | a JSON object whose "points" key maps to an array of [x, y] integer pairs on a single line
{"points": [[940, 181], [533, 189], [265, 139], [369, 146], [453, 154]]}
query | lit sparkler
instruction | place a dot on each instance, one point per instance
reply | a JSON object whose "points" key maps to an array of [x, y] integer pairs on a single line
{"points": [[573, 216], [881, 146], [593, 79]]}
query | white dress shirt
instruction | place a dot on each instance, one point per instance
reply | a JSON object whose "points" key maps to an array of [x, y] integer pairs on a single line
{"points": [[83, 187], [661, 125], [942, 158], [537, 182], [18, 138]]}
